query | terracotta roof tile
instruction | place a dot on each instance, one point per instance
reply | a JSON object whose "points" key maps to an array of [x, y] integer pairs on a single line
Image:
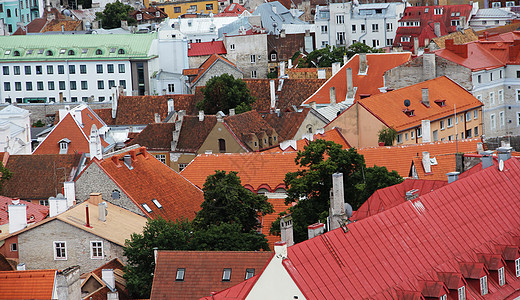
{"points": [[191, 72], [369, 84], [33, 284], [389, 108], [285, 47], [150, 179], [104, 114], [481, 57], [279, 206], [245, 124], [38, 177], [35, 212], [399, 158], [286, 124], [207, 64], [194, 132], [155, 136], [329, 135], [458, 37], [68, 25], [203, 271], [206, 48]]}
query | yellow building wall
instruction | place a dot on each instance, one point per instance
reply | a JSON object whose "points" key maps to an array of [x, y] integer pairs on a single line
{"points": [[175, 9], [221, 132]]}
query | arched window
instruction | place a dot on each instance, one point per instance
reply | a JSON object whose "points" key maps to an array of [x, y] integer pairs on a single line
{"points": [[71, 52], [121, 51], [49, 53], [99, 52], [16, 53]]}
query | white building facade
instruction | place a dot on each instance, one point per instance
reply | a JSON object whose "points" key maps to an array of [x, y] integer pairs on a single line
{"points": [[15, 132], [343, 24]]}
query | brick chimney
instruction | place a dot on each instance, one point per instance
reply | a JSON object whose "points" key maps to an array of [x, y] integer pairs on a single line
{"points": [[315, 229], [286, 229], [332, 95], [363, 66], [337, 202], [95, 198]]}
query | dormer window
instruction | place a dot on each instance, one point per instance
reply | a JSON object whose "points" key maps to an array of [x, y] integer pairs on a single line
{"points": [[64, 145], [139, 17], [62, 51], [49, 53], [409, 112], [16, 53], [99, 52], [249, 273], [71, 52], [121, 51], [440, 103], [483, 285], [157, 14], [501, 277], [443, 297], [462, 293]]}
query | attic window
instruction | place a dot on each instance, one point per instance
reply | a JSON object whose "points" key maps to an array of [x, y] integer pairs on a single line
{"points": [[462, 292], [441, 103], [443, 297], [16, 53], [180, 274], [84, 50], [7, 52], [517, 267], [121, 51], [112, 50], [99, 52], [71, 52], [226, 275], [116, 194], [49, 53], [64, 145], [156, 202], [409, 112], [30, 51], [146, 207], [483, 285], [249, 273], [40, 51], [62, 51], [501, 277]]}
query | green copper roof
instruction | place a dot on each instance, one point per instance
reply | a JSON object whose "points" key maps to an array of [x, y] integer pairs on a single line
{"points": [[75, 47]]}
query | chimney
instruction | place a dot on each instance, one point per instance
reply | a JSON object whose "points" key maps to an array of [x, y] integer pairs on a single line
{"points": [[337, 203], [412, 194], [426, 131], [289, 63], [20, 267], [107, 275], [282, 33], [114, 103], [95, 198], [425, 97], [231, 112], [452, 176], [95, 148], [363, 67], [286, 228], [170, 105], [332, 95], [60, 95], [463, 24], [277, 112], [345, 59], [282, 68], [350, 84], [322, 74], [429, 71], [57, 205], [17, 216], [157, 118], [280, 250], [273, 95], [69, 190], [87, 216], [504, 153], [313, 105], [315, 229], [480, 147], [426, 162], [415, 45], [102, 207], [437, 29], [487, 159], [201, 115], [155, 253], [62, 113], [335, 67]]}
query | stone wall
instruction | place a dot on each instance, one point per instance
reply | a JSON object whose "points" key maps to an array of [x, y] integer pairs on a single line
{"points": [[494, 143], [217, 69]]}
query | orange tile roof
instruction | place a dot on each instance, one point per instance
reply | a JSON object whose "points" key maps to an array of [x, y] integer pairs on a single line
{"points": [[203, 271], [286, 124], [150, 179], [279, 206], [388, 107], [333, 135], [445, 164], [207, 64], [59, 25], [247, 123], [399, 158], [369, 84], [33, 284], [255, 169], [70, 128]]}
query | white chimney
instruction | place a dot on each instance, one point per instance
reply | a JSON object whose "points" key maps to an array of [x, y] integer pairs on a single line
{"points": [[17, 216], [332, 95], [289, 64], [107, 275], [76, 113], [282, 68], [157, 117], [286, 229], [95, 148], [273, 95], [57, 205], [426, 132], [20, 267], [425, 96], [231, 112], [350, 84], [62, 113], [322, 74], [345, 59], [363, 66], [280, 250], [416, 45], [201, 115], [102, 207], [315, 230], [114, 103], [335, 67], [427, 165], [504, 153], [437, 29], [170, 105], [70, 192], [337, 203], [487, 159], [452, 176]]}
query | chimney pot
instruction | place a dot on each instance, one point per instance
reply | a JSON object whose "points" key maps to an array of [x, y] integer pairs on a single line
{"points": [[453, 176], [17, 216], [280, 249], [487, 159], [231, 112], [504, 153]]}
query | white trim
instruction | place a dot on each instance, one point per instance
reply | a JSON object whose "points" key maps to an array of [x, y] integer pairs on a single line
{"points": [[92, 250], [54, 248]]}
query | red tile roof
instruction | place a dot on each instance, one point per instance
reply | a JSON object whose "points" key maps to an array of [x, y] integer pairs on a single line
{"points": [[426, 17], [156, 136], [244, 124], [206, 65], [232, 10], [396, 250], [391, 196], [203, 271], [266, 221], [150, 179], [38, 177], [333, 135], [389, 108], [35, 212], [194, 132], [286, 124], [369, 84], [399, 158], [206, 48], [33, 284], [148, 14]]}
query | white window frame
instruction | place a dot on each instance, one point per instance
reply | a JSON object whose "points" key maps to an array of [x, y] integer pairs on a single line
{"points": [[253, 74], [492, 121], [340, 19], [501, 276], [475, 114], [412, 134], [354, 27], [437, 11], [492, 98], [55, 248], [253, 58], [483, 285], [500, 96], [442, 125], [501, 119], [96, 245], [324, 29], [161, 157], [182, 166], [171, 88], [443, 297], [419, 132], [13, 247], [517, 261], [389, 27], [232, 47], [449, 122], [461, 292], [468, 116], [273, 56], [181, 272], [375, 27], [399, 138], [405, 39]]}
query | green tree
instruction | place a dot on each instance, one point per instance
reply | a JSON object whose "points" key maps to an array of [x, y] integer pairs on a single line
{"points": [[114, 13], [224, 92], [227, 201], [312, 184], [328, 55], [387, 136], [227, 237]]}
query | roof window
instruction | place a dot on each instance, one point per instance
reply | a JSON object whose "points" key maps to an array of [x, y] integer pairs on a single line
{"points": [[99, 52], [250, 273], [121, 51], [40, 51], [49, 53], [112, 50], [84, 50], [180, 274], [226, 275], [16, 53], [441, 103], [156, 202], [30, 51], [62, 51], [116, 194], [71, 52], [146, 207], [409, 112], [7, 52]]}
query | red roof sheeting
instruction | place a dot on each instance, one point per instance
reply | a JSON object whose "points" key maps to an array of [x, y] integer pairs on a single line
{"points": [[35, 212], [206, 48]]}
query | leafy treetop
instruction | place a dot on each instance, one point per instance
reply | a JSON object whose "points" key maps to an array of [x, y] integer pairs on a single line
{"points": [[328, 55], [114, 13], [224, 92]]}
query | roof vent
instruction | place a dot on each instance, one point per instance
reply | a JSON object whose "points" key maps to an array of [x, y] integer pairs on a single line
{"points": [[412, 194]]}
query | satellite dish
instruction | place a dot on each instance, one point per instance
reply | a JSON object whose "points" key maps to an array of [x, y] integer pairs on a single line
{"points": [[407, 103], [348, 210], [501, 165]]}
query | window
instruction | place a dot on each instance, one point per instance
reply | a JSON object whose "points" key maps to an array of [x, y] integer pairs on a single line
{"points": [[111, 84], [450, 122], [443, 126], [517, 74], [61, 85], [180, 274], [84, 85], [73, 85], [437, 11], [222, 145], [419, 132], [324, 28], [99, 69], [5, 70], [389, 27], [500, 96], [100, 84], [61, 69], [16, 70], [340, 38], [492, 98], [492, 121], [354, 30], [253, 74], [146, 207], [28, 86], [340, 19], [122, 83], [496, 4], [27, 70], [14, 247], [182, 166], [72, 69], [96, 250], [110, 68], [71, 52], [510, 3], [193, 7], [405, 39], [171, 88], [475, 131], [7, 86], [399, 138], [362, 28], [500, 75], [468, 116], [501, 277], [121, 68], [501, 119], [491, 76], [232, 47], [253, 58], [375, 43], [406, 136], [60, 251], [273, 56], [209, 6], [139, 17], [99, 52], [156, 202], [375, 27], [17, 86], [249, 273], [50, 70], [226, 275], [443, 297], [455, 22], [479, 78], [39, 70], [389, 42], [39, 85], [435, 135], [483, 286], [161, 158], [83, 69], [177, 9], [462, 293], [517, 261]]}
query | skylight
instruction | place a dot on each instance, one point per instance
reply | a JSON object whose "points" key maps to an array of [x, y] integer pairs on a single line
{"points": [[84, 50], [62, 51], [146, 207], [156, 202], [180, 274], [250, 273], [30, 51], [226, 275], [7, 52]]}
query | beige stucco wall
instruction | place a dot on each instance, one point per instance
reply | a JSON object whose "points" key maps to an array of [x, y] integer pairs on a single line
{"points": [[310, 121], [220, 132]]}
